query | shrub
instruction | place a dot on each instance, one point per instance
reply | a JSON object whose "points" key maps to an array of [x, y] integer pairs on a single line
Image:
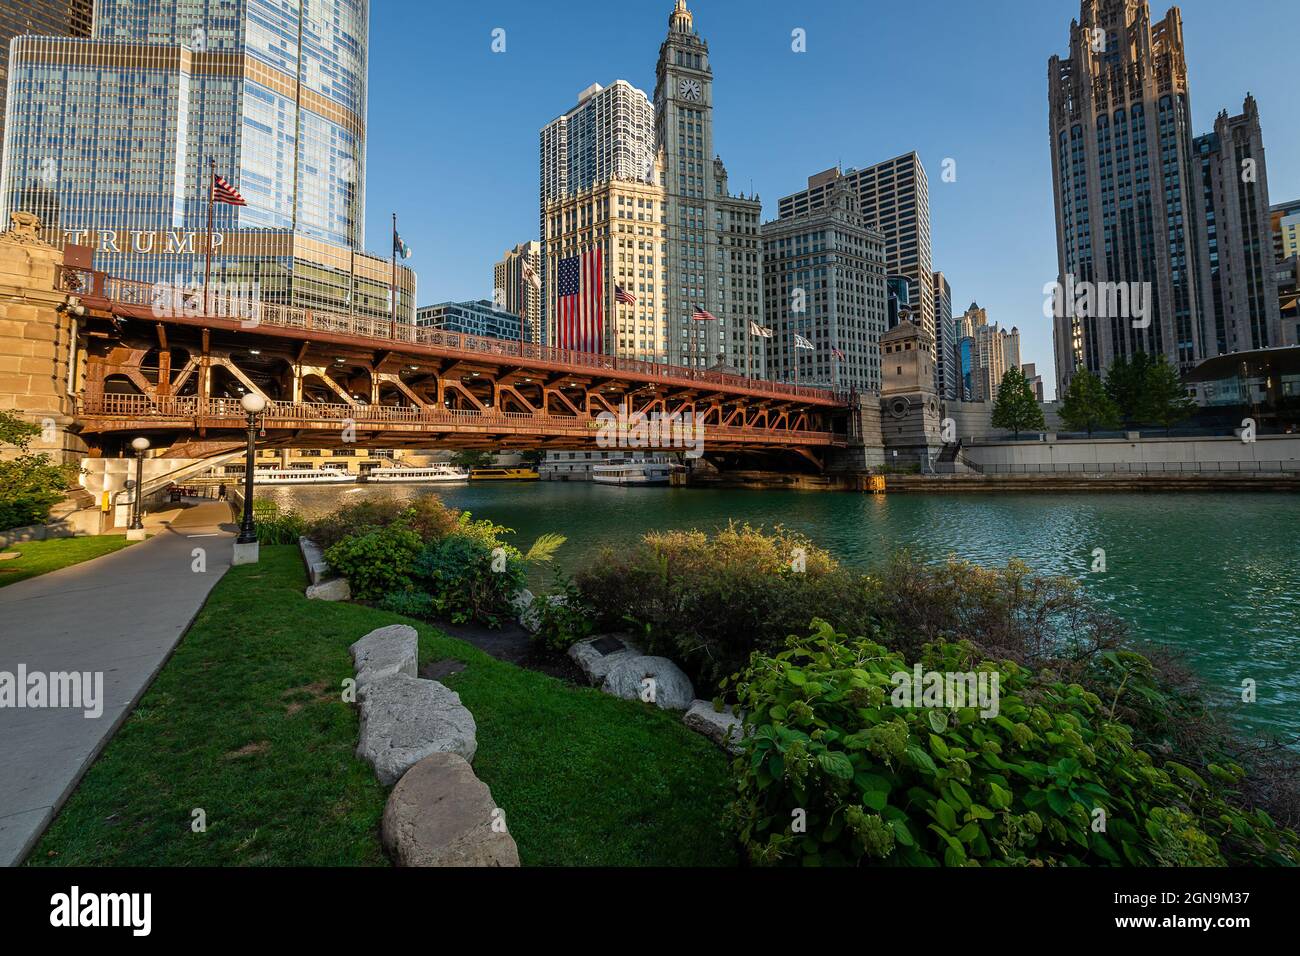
{"points": [[354, 520], [877, 784], [30, 484], [562, 623], [468, 579], [708, 601], [276, 525], [378, 561], [414, 604]]}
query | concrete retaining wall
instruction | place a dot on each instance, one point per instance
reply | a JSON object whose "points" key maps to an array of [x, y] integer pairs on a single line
{"points": [[1272, 453]]}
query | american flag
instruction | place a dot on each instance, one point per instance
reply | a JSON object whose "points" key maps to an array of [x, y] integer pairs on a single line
{"points": [[703, 315], [627, 298], [838, 354], [580, 300], [802, 343], [222, 191]]}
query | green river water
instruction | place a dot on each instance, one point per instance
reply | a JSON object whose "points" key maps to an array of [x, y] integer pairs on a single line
{"points": [[1216, 575]]}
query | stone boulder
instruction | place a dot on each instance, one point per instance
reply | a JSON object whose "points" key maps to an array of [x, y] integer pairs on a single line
{"points": [[441, 814], [405, 719], [723, 727], [597, 655], [385, 652], [522, 603], [629, 679], [335, 590]]}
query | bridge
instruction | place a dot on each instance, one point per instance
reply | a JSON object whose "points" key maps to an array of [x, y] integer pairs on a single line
{"points": [[174, 368]]}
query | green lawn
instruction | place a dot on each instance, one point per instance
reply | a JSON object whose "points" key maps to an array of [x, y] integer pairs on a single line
{"points": [[246, 722], [40, 557]]}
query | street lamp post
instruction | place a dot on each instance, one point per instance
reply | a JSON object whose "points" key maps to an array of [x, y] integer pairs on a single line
{"points": [[246, 550], [135, 530]]}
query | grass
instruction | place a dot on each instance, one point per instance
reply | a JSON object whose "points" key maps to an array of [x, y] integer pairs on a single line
{"points": [[246, 722], [41, 557]]}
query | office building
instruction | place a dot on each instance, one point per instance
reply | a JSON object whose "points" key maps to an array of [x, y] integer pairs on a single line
{"points": [[714, 250], [984, 350], [119, 128], [1287, 276], [1035, 381], [945, 347], [824, 279], [894, 197], [514, 289], [1237, 257], [1143, 204], [1285, 221], [70, 18], [470, 318]]}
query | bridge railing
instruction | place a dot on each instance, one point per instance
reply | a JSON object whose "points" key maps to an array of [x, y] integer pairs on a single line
{"points": [[190, 409], [254, 313]]}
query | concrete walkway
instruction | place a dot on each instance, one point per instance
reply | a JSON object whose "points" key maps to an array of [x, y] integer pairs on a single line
{"points": [[121, 615]]}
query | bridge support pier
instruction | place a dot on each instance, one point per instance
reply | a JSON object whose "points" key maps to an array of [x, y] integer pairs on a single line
{"points": [[41, 361], [866, 445]]}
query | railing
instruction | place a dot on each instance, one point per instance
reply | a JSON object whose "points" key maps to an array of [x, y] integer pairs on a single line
{"points": [[252, 314], [192, 408]]}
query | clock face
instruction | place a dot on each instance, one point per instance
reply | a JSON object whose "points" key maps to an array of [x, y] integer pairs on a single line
{"points": [[691, 90]]}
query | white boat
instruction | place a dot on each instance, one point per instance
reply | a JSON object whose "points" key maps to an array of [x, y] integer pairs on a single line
{"points": [[299, 476], [432, 474], [627, 471]]}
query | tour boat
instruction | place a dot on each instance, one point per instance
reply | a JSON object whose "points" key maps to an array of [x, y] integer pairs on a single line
{"points": [[503, 474], [300, 476], [434, 473], [627, 471]]}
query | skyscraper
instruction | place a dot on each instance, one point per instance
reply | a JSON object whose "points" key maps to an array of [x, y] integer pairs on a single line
{"points": [[1143, 203], [945, 349], [1237, 261], [894, 197], [516, 292], [602, 214], [1285, 217], [71, 18], [824, 280], [121, 128], [714, 250], [988, 349]]}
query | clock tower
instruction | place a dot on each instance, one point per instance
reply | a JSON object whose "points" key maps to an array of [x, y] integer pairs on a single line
{"points": [[713, 251]]}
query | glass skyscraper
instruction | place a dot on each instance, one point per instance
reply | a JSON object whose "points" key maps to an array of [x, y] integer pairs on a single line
{"points": [[114, 135]]}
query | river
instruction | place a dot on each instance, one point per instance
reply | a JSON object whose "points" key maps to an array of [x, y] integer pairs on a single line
{"points": [[1216, 575]]}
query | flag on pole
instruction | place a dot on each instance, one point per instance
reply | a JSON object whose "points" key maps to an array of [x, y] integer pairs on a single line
{"points": [[702, 314], [581, 319], [758, 330], [838, 354], [223, 192], [622, 295], [400, 249], [531, 276], [802, 343]]}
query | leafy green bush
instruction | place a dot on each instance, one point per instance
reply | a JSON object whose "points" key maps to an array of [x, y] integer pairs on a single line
{"points": [[468, 579], [378, 561], [30, 484], [276, 525], [414, 604], [708, 601], [562, 623], [357, 519], [833, 773]]}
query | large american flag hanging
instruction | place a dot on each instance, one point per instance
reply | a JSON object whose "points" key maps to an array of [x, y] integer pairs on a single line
{"points": [[222, 191], [580, 302]]}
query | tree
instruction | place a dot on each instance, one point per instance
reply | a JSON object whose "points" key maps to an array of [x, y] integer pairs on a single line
{"points": [[532, 458], [30, 485], [472, 458], [1125, 383], [1086, 405], [1016, 408], [1164, 397]]}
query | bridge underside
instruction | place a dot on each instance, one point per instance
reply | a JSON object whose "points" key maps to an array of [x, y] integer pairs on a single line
{"points": [[179, 380]]}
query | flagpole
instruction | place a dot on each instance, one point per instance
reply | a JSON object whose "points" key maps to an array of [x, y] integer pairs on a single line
{"points": [[392, 257], [207, 256]]}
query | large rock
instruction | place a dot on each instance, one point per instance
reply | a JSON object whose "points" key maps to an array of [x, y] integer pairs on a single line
{"points": [[723, 727], [630, 679], [336, 590], [385, 652], [405, 719], [522, 603], [441, 814], [597, 655]]}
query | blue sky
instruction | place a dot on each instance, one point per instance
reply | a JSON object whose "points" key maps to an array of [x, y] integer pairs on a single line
{"points": [[453, 126]]}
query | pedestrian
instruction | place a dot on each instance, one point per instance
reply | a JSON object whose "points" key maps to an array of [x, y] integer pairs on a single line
{"points": [[221, 491]]}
